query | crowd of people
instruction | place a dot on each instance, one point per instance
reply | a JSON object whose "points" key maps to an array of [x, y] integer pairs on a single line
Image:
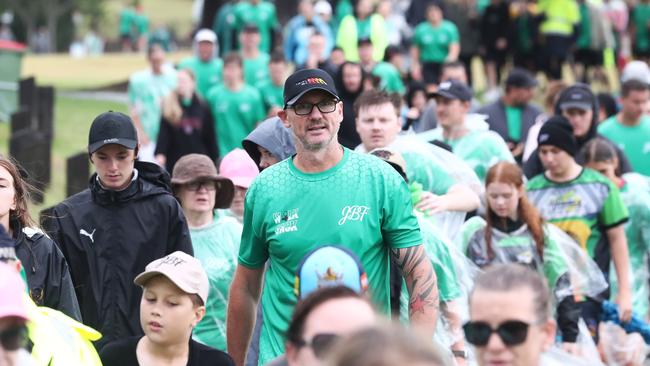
{"points": [[277, 199]]}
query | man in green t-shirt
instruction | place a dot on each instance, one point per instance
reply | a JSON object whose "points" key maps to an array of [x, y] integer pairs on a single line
{"points": [[126, 28], [585, 205], [435, 41], [205, 65], [630, 128], [236, 107], [261, 13], [146, 90], [271, 90], [477, 146], [388, 71], [325, 194], [256, 62], [378, 123]]}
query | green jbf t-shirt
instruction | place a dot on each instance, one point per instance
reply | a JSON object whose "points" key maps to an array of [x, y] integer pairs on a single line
{"points": [[391, 80], [479, 149], [433, 42], [633, 140], [146, 91], [207, 74], [216, 246], [514, 247], [513, 118], [236, 114], [263, 15], [641, 18], [256, 70], [636, 196], [273, 95], [362, 203], [584, 208]]}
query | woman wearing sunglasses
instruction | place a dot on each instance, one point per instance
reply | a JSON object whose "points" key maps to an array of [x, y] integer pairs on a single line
{"points": [[510, 321], [200, 190], [514, 232]]}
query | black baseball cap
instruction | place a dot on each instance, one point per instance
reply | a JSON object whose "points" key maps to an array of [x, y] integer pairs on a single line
{"points": [[453, 89], [576, 97], [520, 78], [112, 128], [307, 80]]}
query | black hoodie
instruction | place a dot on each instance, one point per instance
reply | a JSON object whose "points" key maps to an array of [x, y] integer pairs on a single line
{"points": [[108, 237], [534, 166], [348, 135]]}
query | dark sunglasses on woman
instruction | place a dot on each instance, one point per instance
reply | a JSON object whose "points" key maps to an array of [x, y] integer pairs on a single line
{"points": [[512, 332], [320, 344]]}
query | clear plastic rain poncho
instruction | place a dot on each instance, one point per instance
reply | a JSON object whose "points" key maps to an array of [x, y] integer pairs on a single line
{"points": [[436, 170]]}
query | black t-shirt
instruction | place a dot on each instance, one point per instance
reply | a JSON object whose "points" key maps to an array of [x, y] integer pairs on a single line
{"points": [[123, 353]]}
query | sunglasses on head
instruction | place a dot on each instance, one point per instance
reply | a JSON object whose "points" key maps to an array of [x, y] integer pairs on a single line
{"points": [[320, 344], [14, 337], [512, 332]]}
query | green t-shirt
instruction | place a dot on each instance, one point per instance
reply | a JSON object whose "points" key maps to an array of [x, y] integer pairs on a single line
{"points": [[479, 149], [434, 42], [640, 18], [514, 247], [207, 74], [127, 18], [263, 15], [633, 140], [584, 208], [636, 196], [216, 246], [256, 70], [513, 117], [391, 80], [362, 203], [273, 95], [141, 22], [363, 28], [584, 33], [236, 113], [146, 92]]}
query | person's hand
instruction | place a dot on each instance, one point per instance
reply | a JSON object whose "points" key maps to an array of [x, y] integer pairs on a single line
{"points": [[416, 71], [460, 361], [624, 302], [571, 348], [430, 203], [502, 43], [161, 159], [413, 113]]}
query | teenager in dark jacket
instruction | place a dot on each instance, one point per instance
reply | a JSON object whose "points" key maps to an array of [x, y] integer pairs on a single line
{"points": [[48, 276], [187, 126], [109, 232], [575, 103]]}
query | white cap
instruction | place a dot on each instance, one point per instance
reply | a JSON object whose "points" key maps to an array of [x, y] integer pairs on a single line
{"points": [[205, 35], [638, 70], [323, 7], [183, 270]]}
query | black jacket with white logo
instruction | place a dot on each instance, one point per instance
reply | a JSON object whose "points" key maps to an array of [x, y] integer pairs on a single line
{"points": [[108, 237]]}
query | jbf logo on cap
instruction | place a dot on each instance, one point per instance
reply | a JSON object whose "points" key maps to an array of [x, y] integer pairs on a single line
{"points": [[310, 81]]}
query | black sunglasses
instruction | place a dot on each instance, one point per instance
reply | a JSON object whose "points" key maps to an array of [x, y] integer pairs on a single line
{"points": [[512, 332], [320, 344], [14, 338]]}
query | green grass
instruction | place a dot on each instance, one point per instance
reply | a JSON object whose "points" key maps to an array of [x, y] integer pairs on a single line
{"points": [[72, 120]]}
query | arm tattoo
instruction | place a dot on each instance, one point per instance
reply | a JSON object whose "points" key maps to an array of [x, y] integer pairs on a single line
{"points": [[420, 279]]}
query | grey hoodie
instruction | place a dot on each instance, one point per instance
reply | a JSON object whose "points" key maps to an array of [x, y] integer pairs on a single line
{"points": [[271, 135]]}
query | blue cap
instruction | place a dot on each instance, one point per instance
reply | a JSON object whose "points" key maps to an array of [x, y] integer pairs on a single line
{"points": [[327, 266]]}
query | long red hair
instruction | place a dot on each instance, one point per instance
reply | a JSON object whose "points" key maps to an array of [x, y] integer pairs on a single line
{"points": [[509, 173]]}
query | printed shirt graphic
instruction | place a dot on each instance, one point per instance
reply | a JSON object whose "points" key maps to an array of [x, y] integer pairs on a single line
{"points": [[584, 208], [216, 246], [633, 140], [361, 203]]}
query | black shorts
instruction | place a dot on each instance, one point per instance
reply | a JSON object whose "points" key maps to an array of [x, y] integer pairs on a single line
{"points": [[498, 56], [125, 37], [431, 72], [592, 311], [589, 57]]}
